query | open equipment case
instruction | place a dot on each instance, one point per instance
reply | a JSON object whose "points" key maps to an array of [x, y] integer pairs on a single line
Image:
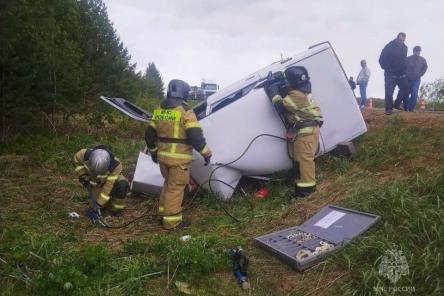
{"points": [[330, 229]]}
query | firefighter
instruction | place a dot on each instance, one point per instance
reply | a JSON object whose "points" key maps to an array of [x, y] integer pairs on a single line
{"points": [[101, 174], [172, 134], [304, 119]]}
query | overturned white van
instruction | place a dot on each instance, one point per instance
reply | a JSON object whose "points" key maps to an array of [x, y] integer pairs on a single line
{"points": [[246, 134]]}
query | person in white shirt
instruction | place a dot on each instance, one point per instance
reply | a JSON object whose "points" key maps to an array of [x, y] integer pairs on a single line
{"points": [[362, 81]]}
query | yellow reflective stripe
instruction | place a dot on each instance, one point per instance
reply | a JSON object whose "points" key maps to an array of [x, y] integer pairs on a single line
{"points": [[290, 102], [205, 150], [192, 125], [306, 184], [118, 206], [173, 218], [102, 176], [175, 136], [104, 196], [161, 209], [79, 168], [313, 110], [153, 150], [306, 130], [176, 155], [276, 99], [112, 178]]}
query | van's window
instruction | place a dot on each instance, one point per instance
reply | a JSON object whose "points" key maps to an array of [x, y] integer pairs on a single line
{"points": [[200, 110], [232, 97]]}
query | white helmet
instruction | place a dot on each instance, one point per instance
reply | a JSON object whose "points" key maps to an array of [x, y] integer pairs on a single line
{"points": [[99, 161]]}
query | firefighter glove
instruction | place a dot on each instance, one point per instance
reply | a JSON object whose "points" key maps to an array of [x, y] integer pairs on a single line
{"points": [[154, 157], [94, 214], [84, 180], [272, 90], [207, 160]]}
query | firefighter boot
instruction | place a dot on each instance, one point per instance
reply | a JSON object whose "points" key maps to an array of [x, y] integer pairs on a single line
{"points": [[300, 192]]}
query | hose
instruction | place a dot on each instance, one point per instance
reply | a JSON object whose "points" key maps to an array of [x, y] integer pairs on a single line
{"points": [[220, 165], [148, 214], [209, 181]]}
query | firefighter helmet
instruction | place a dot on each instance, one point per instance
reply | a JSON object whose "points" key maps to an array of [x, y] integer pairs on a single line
{"points": [[99, 161], [178, 89], [297, 76]]}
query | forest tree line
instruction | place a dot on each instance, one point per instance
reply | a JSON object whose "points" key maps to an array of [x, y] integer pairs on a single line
{"points": [[57, 57]]}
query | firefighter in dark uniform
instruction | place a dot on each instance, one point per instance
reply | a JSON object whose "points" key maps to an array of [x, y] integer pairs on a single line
{"points": [[172, 134], [99, 171], [303, 117]]}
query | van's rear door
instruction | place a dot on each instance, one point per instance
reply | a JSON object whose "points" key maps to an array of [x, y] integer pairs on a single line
{"points": [[128, 108]]}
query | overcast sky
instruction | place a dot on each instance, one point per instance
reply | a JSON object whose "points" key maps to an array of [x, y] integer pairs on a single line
{"points": [[227, 40]]}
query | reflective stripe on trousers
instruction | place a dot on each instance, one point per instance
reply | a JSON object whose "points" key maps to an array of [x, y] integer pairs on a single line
{"points": [[176, 176], [305, 148], [169, 222]]}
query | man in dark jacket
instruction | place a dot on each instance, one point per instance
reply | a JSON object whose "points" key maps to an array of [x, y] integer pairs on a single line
{"points": [[416, 68], [393, 60]]}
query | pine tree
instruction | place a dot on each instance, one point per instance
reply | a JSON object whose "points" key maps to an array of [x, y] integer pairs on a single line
{"points": [[153, 83], [58, 57]]}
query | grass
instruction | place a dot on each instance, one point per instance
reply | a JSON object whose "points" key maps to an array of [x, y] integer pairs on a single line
{"points": [[398, 175]]}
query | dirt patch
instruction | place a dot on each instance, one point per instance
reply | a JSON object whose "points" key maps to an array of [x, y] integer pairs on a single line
{"points": [[376, 118]]}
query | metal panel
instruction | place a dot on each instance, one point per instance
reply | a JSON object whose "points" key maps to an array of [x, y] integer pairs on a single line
{"points": [[128, 108], [337, 224], [147, 177]]}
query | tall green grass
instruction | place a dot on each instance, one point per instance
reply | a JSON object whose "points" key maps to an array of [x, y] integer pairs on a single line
{"points": [[411, 208], [59, 262]]}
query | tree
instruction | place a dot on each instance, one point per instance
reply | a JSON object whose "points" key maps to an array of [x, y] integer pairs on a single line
{"points": [[153, 83], [433, 92], [57, 57]]}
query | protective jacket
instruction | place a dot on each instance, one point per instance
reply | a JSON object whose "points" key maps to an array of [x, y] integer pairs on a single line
{"points": [[301, 112], [103, 185], [393, 58], [174, 131]]}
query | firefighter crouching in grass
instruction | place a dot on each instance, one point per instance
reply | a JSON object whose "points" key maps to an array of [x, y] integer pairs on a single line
{"points": [[101, 174], [172, 134], [304, 119]]}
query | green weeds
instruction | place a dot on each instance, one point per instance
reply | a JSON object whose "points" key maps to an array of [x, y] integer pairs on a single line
{"points": [[57, 152], [396, 175], [411, 221], [396, 143]]}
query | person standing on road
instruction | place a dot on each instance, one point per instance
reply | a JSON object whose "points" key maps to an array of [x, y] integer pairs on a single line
{"points": [[393, 60], [416, 68], [362, 81], [172, 134]]}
